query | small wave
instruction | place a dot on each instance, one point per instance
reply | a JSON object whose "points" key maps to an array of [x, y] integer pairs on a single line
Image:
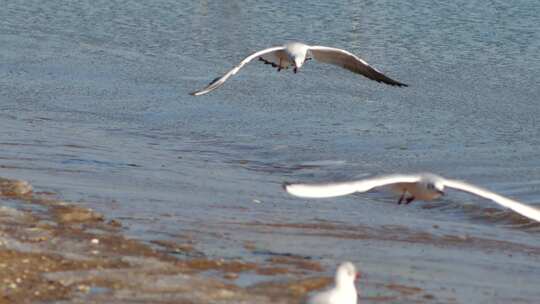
{"points": [[271, 167], [93, 162], [324, 163]]}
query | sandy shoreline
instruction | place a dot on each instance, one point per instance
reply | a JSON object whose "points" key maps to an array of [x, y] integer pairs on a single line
{"points": [[56, 251]]}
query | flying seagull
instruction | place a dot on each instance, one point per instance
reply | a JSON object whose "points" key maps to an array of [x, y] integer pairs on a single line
{"points": [[424, 186], [295, 54], [343, 292]]}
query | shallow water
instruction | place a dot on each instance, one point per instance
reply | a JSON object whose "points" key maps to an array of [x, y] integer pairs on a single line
{"points": [[94, 106]]}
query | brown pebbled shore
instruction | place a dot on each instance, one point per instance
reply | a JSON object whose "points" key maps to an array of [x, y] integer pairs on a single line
{"points": [[53, 251]]}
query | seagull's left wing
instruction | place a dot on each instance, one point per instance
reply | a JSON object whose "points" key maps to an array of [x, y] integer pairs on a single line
{"points": [[216, 83], [351, 62], [523, 209], [344, 188]]}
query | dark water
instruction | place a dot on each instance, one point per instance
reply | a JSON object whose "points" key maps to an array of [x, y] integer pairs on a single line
{"points": [[94, 105]]}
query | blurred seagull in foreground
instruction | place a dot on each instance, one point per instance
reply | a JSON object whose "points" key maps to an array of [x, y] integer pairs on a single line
{"points": [[296, 54], [425, 186], [343, 292]]}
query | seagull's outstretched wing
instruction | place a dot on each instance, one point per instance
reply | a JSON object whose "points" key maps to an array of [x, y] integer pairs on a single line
{"points": [[216, 83], [525, 210], [351, 62], [344, 188]]}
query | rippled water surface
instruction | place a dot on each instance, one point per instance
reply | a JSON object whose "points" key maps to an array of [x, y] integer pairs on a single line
{"points": [[94, 105]]}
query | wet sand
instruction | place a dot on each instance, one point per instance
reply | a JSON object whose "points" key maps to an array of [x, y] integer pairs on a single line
{"points": [[55, 251]]}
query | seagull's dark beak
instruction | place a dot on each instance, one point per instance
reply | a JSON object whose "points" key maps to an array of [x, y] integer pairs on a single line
{"points": [[441, 193]]}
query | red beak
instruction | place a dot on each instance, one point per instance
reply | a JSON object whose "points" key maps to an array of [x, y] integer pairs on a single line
{"points": [[357, 276]]}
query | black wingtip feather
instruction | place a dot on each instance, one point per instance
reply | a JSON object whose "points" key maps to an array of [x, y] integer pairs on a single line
{"points": [[285, 185], [394, 84], [213, 81]]}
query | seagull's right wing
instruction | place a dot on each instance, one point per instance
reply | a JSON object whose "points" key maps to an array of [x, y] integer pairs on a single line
{"points": [[525, 210], [351, 62], [344, 188], [216, 83]]}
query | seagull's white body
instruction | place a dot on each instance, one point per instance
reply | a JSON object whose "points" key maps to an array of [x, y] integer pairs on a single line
{"points": [[295, 54], [343, 292], [425, 186]]}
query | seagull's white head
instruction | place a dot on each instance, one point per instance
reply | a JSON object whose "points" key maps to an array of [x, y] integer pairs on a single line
{"points": [[346, 275], [297, 53]]}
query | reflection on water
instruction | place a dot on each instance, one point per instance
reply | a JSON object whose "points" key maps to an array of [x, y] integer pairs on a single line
{"points": [[94, 106]]}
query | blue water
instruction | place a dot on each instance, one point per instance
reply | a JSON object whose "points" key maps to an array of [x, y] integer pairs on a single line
{"points": [[94, 105]]}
